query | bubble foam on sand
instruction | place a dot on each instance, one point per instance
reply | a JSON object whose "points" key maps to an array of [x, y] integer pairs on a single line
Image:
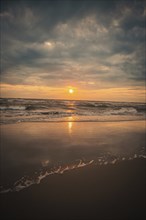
{"points": [[25, 182], [28, 181]]}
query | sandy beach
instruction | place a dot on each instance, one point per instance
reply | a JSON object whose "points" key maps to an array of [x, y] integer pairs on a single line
{"points": [[106, 192], [112, 187]]}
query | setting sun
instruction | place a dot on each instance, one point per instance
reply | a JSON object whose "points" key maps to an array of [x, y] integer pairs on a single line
{"points": [[71, 91], [72, 108]]}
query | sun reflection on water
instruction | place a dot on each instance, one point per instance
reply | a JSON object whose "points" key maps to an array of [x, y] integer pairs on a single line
{"points": [[70, 124]]}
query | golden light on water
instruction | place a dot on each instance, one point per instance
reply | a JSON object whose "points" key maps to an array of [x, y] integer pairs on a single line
{"points": [[70, 124]]}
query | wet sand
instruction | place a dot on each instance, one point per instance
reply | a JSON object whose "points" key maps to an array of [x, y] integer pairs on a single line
{"points": [[93, 192], [112, 191]]}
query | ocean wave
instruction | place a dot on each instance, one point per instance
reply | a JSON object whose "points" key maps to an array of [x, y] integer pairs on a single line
{"points": [[19, 118], [15, 107], [19, 110], [58, 113], [122, 111]]}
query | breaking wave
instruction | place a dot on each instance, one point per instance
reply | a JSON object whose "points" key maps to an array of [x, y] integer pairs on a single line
{"points": [[27, 110]]}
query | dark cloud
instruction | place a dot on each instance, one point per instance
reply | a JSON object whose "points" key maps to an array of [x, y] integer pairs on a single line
{"points": [[58, 41]]}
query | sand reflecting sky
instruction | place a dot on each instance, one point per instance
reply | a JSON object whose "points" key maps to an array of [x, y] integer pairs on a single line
{"points": [[28, 148]]}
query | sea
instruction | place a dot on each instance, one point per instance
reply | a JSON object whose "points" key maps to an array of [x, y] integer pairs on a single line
{"points": [[49, 110], [43, 137]]}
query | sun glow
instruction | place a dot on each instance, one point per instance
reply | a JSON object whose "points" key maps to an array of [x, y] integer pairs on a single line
{"points": [[71, 91]]}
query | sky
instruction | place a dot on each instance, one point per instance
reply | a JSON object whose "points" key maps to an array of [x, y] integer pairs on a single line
{"points": [[95, 47]]}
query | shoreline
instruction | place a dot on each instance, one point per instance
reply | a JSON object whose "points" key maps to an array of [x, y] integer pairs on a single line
{"points": [[116, 121], [30, 151], [106, 192]]}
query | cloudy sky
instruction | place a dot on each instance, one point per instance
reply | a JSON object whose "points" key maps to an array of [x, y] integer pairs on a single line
{"points": [[95, 47]]}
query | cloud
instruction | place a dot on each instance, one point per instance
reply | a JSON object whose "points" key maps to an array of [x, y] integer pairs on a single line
{"points": [[55, 43]]}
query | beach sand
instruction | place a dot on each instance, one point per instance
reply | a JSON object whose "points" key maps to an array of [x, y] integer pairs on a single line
{"points": [[105, 192], [112, 191]]}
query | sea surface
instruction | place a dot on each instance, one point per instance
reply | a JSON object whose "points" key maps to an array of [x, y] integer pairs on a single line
{"points": [[78, 134], [31, 110]]}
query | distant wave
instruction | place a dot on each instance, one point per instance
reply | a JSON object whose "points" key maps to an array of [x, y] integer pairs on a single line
{"points": [[16, 107], [19, 110], [122, 111]]}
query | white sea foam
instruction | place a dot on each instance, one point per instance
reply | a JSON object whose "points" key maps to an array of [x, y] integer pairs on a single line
{"points": [[114, 161], [25, 182], [15, 107], [28, 181], [121, 111]]}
